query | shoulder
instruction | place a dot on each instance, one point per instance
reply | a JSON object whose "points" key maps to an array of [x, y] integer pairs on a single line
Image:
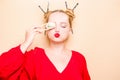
{"points": [[78, 55], [34, 51], [38, 49]]}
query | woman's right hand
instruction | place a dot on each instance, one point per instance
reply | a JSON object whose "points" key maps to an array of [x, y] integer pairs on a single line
{"points": [[30, 34]]}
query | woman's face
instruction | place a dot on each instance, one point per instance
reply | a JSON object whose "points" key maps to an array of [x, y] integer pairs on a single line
{"points": [[62, 27]]}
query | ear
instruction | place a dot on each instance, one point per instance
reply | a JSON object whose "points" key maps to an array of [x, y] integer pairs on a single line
{"points": [[71, 30]]}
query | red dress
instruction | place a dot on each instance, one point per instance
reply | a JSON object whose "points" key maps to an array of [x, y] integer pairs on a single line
{"points": [[35, 65]]}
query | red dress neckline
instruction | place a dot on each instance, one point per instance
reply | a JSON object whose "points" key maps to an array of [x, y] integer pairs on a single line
{"points": [[54, 67]]}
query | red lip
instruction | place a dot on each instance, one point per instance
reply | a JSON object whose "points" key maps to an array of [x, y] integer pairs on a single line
{"points": [[57, 35]]}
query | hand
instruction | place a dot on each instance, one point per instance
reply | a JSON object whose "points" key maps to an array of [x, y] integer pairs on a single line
{"points": [[30, 34]]}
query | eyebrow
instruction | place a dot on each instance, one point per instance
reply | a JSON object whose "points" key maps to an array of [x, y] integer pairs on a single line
{"points": [[64, 22]]}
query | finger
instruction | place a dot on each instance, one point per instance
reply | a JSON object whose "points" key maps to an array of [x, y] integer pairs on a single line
{"points": [[37, 27], [39, 30]]}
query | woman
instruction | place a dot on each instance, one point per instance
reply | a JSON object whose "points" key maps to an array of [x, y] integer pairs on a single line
{"points": [[53, 63]]}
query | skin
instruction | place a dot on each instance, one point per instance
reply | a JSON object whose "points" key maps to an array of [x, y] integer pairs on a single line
{"points": [[62, 27], [57, 53]]}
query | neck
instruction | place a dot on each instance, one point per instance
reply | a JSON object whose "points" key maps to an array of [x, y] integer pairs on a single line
{"points": [[58, 47]]}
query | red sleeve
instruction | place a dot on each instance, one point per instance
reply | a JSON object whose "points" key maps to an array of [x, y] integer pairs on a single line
{"points": [[11, 63], [85, 73], [28, 72]]}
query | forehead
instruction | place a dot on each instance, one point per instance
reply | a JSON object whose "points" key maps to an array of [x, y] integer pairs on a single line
{"points": [[58, 16]]}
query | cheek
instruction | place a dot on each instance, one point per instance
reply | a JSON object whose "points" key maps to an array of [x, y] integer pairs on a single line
{"points": [[65, 33], [50, 33]]}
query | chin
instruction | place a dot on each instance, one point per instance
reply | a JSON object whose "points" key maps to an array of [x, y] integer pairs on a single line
{"points": [[58, 40]]}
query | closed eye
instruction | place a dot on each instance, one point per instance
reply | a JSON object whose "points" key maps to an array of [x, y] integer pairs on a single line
{"points": [[63, 25]]}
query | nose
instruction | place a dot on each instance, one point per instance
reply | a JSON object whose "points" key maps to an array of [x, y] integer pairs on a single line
{"points": [[57, 28]]}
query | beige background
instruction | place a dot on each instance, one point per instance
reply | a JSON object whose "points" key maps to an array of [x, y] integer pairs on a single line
{"points": [[96, 31]]}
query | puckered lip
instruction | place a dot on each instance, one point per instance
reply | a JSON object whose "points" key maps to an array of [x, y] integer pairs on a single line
{"points": [[57, 35]]}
